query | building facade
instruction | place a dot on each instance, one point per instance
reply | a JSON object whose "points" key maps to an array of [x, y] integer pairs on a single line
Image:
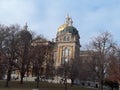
{"points": [[67, 43]]}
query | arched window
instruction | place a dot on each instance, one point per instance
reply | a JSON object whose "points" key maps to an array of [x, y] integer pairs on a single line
{"points": [[65, 55], [67, 51]]}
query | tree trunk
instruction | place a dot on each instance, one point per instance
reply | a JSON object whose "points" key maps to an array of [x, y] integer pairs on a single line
{"points": [[22, 76], [101, 85], [72, 81], [38, 77], [8, 77], [111, 87], [119, 85], [38, 81]]}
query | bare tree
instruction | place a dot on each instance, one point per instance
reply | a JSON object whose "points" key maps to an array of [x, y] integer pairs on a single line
{"points": [[114, 67], [50, 70], [100, 47], [38, 61], [39, 56], [4, 33], [1, 66], [24, 44], [74, 69], [9, 49]]}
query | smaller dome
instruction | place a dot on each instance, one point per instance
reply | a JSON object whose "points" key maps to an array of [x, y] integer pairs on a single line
{"points": [[24, 33]]}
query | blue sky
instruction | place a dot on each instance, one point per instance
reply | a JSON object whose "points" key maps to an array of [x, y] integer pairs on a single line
{"points": [[45, 16]]}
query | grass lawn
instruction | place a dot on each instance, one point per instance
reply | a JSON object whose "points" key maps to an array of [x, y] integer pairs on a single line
{"points": [[15, 85]]}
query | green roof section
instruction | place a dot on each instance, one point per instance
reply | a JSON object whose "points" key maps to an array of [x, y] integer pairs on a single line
{"points": [[69, 29]]}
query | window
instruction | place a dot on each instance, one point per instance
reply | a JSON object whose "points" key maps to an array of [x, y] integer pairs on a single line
{"points": [[68, 38], [66, 52], [64, 60], [64, 39]]}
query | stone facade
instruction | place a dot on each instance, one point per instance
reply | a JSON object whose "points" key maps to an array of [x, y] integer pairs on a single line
{"points": [[67, 43]]}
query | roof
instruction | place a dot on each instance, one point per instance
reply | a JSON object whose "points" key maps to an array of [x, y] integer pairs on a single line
{"points": [[67, 27]]}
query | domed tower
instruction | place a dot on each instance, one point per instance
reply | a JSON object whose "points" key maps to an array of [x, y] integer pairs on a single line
{"points": [[68, 45], [25, 35]]}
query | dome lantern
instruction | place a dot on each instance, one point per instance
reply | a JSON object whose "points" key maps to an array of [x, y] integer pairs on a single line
{"points": [[67, 27], [69, 21]]}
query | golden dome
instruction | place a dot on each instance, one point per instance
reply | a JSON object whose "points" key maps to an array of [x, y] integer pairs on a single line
{"points": [[62, 27], [67, 23]]}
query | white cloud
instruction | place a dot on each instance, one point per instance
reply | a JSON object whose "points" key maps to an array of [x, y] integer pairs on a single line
{"points": [[45, 16], [102, 19], [14, 11]]}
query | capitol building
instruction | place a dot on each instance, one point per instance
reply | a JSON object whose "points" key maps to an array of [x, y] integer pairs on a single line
{"points": [[67, 44]]}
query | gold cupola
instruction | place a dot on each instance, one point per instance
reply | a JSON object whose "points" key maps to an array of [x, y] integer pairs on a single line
{"points": [[67, 23]]}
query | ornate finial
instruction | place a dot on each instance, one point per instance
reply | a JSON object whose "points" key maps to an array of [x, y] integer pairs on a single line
{"points": [[26, 26], [69, 21]]}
